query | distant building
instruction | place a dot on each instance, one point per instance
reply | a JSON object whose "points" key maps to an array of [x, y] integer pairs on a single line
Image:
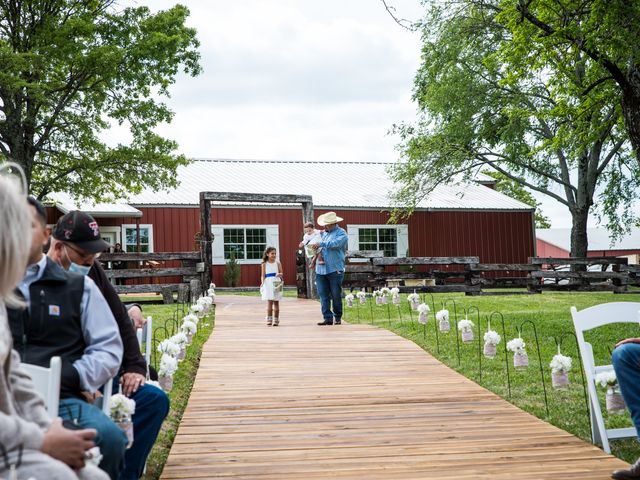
{"points": [[556, 242], [455, 220]]}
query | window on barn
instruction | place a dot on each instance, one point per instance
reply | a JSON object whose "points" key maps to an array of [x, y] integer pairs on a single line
{"points": [[130, 238], [246, 242], [393, 240]]}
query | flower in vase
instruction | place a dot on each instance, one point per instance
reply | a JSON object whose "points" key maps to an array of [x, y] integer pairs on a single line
{"points": [[384, 291], [492, 337], [442, 315], [516, 345], [607, 379], [561, 364], [168, 366], [413, 297], [188, 327], [197, 308], [179, 339], [169, 347], [349, 297], [212, 286], [191, 318], [121, 406], [423, 308], [395, 291], [465, 325], [361, 294]]}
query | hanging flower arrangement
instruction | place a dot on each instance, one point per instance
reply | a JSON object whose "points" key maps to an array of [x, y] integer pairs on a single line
{"points": [[121, 409], [442, 316], [349, 299], [520, 357], [197, 309], [614, 401], [377, 294], [466, 329], [180, 339], [491, 340], [169, 347], [189, 328], [191, 318], [560, 366], [384, 294], [423, 310], [168, 367], [414, 300], [395, 295], [362, 297]]}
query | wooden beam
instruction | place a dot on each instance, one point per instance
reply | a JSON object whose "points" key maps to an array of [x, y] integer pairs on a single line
{"points": [[578, 261], [206, 237], [585, 275], [502, 267], [310, 274], [156, 256], [146, 288], [151, 272], [425, 260], [253, 197], [365, 254]]}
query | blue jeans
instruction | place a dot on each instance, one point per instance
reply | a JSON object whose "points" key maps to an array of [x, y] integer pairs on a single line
{"points": [[626, 363], [330, 292], [152, 407], [111, 440]]}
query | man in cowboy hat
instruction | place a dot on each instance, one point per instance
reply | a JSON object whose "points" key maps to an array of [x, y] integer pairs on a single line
{"points": [[330, 274]]}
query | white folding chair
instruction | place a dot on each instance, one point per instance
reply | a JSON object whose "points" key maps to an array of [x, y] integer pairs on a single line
{"points": [[588, 319], [145, 335], [47, 383]]}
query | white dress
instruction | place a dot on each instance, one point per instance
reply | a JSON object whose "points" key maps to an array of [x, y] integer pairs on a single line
{"points": [[267, 289]]}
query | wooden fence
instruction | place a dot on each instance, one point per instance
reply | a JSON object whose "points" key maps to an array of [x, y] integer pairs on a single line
{"points": [[183, 270], [370, 270]]}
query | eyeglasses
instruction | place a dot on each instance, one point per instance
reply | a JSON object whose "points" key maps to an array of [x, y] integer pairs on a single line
{"points": [[84, 256]]}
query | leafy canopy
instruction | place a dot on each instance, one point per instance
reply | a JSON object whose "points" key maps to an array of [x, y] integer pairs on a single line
{"points": [[68, 71]]}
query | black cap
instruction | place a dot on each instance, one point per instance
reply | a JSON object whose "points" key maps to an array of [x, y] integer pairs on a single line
{"points": [[82, 230]]}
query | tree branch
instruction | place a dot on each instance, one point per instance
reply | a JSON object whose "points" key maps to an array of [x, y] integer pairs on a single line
{"points": [[403, 22]]}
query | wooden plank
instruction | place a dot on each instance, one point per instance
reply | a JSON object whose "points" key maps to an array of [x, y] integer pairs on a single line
{"points": [[151, 272], [156, 256], [146, 288], [364, 254], [578, 261], [425, 260], [359, 268], [502, 267], [585, 275], [254, 197], [353, 402]]}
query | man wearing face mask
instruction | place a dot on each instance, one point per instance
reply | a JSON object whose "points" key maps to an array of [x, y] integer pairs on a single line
{"points": [[67, 316]]}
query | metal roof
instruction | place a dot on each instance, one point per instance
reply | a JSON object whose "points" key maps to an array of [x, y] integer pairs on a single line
{"points": [[65, 204], [331, 184], [598, 239]]}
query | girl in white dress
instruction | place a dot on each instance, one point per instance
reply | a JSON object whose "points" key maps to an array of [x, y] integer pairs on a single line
{"points": [[271, 285]]}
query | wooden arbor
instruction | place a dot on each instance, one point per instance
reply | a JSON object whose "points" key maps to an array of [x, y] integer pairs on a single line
{"points": [[206, 198]]}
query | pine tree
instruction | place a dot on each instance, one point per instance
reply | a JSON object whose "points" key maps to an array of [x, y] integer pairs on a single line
{"points": [[231, 273]]}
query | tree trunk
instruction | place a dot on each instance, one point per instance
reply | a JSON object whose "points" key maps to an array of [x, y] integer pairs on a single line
{"points": [[579, 240], [631, 109]]}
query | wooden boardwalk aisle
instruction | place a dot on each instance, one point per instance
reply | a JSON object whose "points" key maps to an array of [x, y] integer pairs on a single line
{"points": [[353, 402]]}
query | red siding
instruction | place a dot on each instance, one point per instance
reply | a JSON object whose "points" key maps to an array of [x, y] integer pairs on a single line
{"points": [[496, 237], [544, 249]]}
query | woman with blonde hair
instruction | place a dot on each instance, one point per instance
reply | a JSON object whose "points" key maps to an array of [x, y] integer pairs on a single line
{"points": [[31, 445]]}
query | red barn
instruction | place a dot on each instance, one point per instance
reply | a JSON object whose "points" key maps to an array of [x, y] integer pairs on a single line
{"points": [[556, 242], [455, 220]]}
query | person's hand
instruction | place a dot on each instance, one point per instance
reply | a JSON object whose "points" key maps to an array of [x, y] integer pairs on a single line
{"points": [[627, 340], [91, 397], [301, 244], [135, 314], [131, 382], [66, 445]]}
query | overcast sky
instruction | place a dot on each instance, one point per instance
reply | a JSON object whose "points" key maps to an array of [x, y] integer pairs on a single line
{"points": [[298, 80]]}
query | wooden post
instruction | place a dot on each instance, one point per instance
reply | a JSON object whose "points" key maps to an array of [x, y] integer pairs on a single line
{"points": [[310, 275], [167, 295], [194, 287], [183, 293], [206, 237]]}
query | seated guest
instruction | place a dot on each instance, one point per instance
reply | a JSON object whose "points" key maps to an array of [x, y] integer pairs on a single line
{"points": [[30, 443], [152, 404], [67, 316], [626, 363]]}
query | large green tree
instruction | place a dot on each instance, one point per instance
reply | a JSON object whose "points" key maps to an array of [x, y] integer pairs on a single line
{"points": [[491, 95], [70, 69]]}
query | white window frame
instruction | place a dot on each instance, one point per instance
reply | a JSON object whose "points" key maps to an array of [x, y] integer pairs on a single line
{"points": [[273, 240], [134, 226], [402, 237], [116, 230]]}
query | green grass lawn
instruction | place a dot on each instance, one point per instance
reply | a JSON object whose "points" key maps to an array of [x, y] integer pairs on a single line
{"points": [[550, 314], [166, 321]]}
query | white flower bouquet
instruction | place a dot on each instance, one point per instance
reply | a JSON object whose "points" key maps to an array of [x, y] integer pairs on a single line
{"points": [[395, 295], [442, 316], [491, 340], [423, 310], [560, 367], [168, 367], [362, 296], [349, 299], [384, 294], [191, 318], [120, 410], [414, 300], [197, 309], [189, 328], [466, 329], [377, 294], [182, 341], [169, 347], [614, 401], [520, 357]]}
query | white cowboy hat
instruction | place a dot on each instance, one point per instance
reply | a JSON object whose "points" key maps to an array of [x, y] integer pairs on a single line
{"points": [[328, 218]]}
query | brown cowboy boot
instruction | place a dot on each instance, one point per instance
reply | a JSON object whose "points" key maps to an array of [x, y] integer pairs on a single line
{"points": [[633, 472]]}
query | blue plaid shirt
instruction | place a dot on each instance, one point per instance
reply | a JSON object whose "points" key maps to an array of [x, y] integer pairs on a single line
{"points": [[334, 247]]}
